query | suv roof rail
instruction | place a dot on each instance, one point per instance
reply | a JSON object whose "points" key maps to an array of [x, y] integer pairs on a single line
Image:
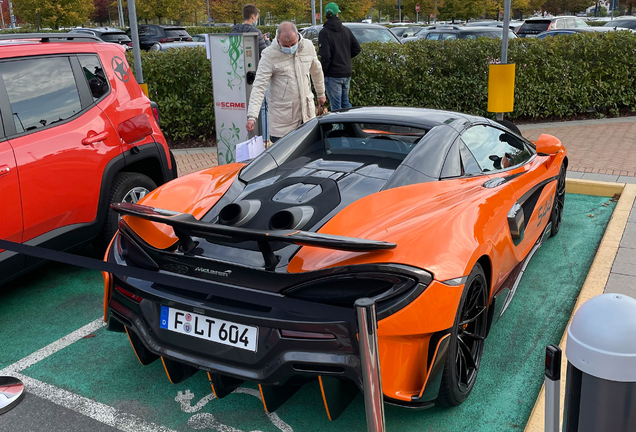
{"points": [[52, 37], [442, 26]]}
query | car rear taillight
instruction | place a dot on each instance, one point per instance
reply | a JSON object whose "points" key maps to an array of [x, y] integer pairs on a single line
{"points": [[549, 26], [129, 44], [165, 40], [155, 112], [126, 293]]}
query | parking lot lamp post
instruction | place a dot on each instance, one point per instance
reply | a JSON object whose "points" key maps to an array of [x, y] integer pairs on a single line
{"points": [[313, 12], [435, 13], [2, 13], [320, 11], [120, 11], [11, 15], [134, 34], [504, 41], [208, 11]]}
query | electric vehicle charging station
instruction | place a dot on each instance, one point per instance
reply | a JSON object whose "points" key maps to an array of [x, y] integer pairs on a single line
{"points": [[234, 60]]}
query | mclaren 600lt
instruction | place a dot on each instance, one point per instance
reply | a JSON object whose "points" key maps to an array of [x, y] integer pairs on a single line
{"points": [[434, 215]]}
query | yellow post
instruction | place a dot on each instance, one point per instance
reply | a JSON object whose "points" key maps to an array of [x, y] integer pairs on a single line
{"points": [[144, 88], [501, 88]]}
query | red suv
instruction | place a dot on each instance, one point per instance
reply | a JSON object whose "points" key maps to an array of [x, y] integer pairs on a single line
{"points": [[77, 133]]}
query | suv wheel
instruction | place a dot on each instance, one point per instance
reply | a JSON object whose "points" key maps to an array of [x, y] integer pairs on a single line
{"points": [[127, 187]]}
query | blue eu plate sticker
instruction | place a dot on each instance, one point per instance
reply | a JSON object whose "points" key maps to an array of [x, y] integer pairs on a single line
{"points": [[165, 312]]}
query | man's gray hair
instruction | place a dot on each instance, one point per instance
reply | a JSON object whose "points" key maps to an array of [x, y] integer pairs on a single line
{"points": [[286, 30]]}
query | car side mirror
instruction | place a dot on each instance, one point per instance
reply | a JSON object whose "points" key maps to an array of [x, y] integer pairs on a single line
{"points": [[11, 393], [548, 145], [135, 129]]}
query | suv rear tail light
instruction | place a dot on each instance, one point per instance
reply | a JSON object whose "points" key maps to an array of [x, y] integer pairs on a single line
{"points": [[129, 44], [164, 40], [549, 25], [155, 111]]}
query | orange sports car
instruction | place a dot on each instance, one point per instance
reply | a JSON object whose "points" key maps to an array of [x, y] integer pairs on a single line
{"points": [[432, 214]]}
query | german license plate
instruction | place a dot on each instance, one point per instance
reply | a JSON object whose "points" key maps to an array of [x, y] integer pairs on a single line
{"points": [[208, 328]]}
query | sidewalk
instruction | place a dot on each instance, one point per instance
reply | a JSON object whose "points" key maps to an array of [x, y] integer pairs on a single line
{"points": [[603, 150]]}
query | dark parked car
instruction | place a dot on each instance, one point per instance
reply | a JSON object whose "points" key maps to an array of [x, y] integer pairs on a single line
{"points": [[534, 26], [623, 22], [151, 34], [450, 32], [363, 33], [106, 34], [403, 32], [573, 31]]}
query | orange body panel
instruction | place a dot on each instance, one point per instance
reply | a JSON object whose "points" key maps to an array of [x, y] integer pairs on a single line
{"points": [[194, 193]]}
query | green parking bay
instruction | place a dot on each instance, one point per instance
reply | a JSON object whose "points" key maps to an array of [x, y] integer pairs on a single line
{"points": [[56, 300]]}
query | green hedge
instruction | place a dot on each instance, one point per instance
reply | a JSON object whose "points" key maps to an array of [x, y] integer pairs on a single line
{"points": [[556, 77], [596, 23], [180, 81]]}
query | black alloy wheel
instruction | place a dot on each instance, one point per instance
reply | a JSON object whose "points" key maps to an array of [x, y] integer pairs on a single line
{"points": [[559, 202], [467, 341]]}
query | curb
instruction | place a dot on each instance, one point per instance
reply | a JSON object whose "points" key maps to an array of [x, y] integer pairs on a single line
{"points": [[599, 271]]}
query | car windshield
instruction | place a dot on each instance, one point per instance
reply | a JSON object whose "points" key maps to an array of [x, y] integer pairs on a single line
{"points": [[535, 26], [373, 35], [630, 24], [115, 37], [198, 38], [177, 33]]}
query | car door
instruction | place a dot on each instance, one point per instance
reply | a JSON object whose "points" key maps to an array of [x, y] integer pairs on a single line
{"points": [[507, 160], [10, 208], [62, 143]]}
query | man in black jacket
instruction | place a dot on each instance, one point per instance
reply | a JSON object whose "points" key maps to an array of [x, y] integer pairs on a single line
{"points": [[336, 47], [250, 17]]}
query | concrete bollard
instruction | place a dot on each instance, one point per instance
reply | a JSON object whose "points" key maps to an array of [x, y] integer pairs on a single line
{"points": [[601, 374]]}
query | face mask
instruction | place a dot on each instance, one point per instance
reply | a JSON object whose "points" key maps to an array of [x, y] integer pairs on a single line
{"points": [[290, 50]]}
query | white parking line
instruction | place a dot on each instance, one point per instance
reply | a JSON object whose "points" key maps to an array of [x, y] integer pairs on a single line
{"points": [[52, 348], [97, 411]]}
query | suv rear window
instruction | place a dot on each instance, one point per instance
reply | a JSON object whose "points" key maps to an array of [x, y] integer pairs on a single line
{"points": [[176, 33], [95, 76], [115, 37], [534, 26], [41, 91], [630, 24]]}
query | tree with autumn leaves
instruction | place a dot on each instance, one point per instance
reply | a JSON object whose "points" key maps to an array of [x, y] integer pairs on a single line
{"points": [[63, 13]]}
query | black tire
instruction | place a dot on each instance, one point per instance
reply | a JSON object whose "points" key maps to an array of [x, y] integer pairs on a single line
{"points": [[173, 162], [467, 341], [559, 203], [121, 188]]}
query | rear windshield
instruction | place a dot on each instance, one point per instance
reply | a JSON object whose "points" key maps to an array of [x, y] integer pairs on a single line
{"points": [[115, 37], [630, 24], [373, 35], [365, 138], [494, 34], [177, 33], [535, 26]]}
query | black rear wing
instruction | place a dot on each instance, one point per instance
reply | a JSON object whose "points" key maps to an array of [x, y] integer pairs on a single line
{"points": [[186, 226]]}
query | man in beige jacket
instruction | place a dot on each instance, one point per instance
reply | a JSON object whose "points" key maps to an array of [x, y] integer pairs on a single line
{"points": [[285, 67]]}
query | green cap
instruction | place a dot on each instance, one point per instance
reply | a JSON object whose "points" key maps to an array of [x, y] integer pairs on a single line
{"points": [[333, 8]]}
